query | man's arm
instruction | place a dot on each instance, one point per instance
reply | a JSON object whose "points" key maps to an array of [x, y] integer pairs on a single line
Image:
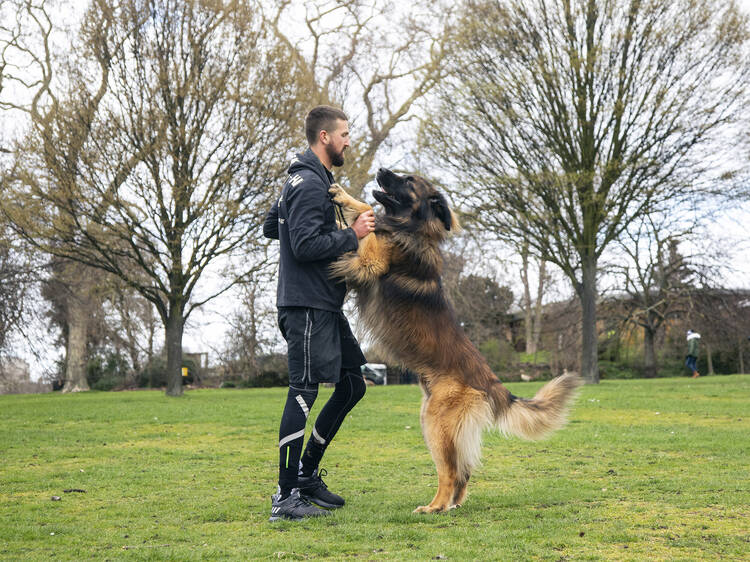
{"points": [[271, 224], [306, 209]]}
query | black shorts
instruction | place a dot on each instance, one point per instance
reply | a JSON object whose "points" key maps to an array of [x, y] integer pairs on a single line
{"points": [[320, 345]]}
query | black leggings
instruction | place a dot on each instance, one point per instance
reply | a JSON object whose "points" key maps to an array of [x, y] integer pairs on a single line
{"points": [[349, 390]]}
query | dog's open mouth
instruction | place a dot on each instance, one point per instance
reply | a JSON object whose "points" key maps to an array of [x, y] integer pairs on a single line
{"points": [[383, 196]]}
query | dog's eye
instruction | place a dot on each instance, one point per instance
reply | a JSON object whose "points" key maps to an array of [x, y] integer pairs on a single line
{"points": [[410, 184]]}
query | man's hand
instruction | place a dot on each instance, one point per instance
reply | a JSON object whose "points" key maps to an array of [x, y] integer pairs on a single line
{"points": [[364, 224]]}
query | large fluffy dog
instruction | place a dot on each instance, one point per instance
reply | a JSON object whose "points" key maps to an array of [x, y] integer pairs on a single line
{"points": [[396, 275]]}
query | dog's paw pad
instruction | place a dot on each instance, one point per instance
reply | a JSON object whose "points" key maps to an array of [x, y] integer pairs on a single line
{"points": [[336, 191]]}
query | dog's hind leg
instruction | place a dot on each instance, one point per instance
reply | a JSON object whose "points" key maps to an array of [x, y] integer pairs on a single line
{"points": [[453, 418], [443, 454], [439, 429], [474, 414], [459, 494]]}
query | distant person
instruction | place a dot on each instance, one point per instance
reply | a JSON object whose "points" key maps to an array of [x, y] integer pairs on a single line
{"points": [[320, 344], [691, 361]]}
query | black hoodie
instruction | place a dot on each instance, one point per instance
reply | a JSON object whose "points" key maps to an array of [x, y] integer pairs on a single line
{"points": [[303, 220]]}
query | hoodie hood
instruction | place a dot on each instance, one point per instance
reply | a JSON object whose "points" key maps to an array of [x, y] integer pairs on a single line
{"points": [[693, 336], [307, 160]]}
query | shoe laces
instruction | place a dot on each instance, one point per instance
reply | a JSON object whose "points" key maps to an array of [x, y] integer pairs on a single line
{"points": [[298, 500], [322, 472]]}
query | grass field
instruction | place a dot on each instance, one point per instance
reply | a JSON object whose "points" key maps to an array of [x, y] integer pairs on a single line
{"points": [[646, 469]]}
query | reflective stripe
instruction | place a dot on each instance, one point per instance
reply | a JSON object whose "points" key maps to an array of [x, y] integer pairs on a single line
{"points": [[302, 405], [317, 437], [292, 437], [306, 347]]}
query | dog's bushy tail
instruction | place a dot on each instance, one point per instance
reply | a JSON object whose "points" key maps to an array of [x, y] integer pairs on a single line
{"points": [[546, 412]]}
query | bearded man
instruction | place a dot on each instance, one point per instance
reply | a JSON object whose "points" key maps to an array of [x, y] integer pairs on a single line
{"points": [[320, 343]]}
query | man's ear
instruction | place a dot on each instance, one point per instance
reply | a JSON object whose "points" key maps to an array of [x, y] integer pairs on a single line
{"points": [[441, 210]]}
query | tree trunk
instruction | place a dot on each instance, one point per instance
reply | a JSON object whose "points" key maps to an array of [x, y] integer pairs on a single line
{"points": [[174, 328], [151, 336], [253, 336], [709, 360], [527, 312], [75, 352], [131, 344], [739, 353], [649, 352], [589, 343], [537, 332]]}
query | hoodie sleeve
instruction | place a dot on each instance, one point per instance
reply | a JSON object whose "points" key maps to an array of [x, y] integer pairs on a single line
{"points": [[306, 218], [271, 224]]}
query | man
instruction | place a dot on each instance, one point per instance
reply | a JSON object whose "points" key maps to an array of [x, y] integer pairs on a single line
{"points": [[320, 343], [692, 354]]}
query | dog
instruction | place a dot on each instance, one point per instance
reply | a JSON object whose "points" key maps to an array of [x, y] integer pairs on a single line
{"points": [[396, 275]]}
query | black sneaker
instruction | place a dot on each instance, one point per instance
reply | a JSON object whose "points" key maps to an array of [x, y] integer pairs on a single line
{"points": [[293, 507], [313, 489]]}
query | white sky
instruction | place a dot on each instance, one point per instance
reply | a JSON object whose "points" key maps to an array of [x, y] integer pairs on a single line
{"points": [[731, 233], [205, 329]]}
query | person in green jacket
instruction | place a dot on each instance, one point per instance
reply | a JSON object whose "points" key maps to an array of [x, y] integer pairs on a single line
{"points": [[691, 360]]}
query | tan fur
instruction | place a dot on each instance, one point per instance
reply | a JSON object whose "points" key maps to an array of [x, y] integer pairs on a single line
{"points": [[350, 207], [396, 274], [371, 259], [524, 421]]}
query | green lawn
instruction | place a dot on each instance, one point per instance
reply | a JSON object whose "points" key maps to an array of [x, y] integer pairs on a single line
{"points": [[655, 469]]}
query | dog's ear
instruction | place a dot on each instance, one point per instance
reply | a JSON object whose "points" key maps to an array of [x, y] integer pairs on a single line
{"points": [[442, 211]]}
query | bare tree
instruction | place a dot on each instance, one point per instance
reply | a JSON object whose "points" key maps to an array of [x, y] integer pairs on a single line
{"points": [[722, 316], [249, 327], [476, 289], [568, 120], [532, 307], [657, 281], [377, 58], [73, 293], [97, 314], [27, 74], [18, 275], [346, 55], [131, 324], [176, 151], [480, 302]]}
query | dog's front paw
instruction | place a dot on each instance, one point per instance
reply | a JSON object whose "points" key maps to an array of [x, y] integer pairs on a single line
{"points": [[337, 193], [429, 509]]}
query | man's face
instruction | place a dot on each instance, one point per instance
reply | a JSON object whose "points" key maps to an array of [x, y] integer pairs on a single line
{"points": [[337, 142]]}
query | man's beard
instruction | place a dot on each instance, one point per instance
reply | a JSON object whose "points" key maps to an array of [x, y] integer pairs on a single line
{"points": [[337, 158]]}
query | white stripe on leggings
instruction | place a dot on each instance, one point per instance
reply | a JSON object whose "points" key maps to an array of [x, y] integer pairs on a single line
{"points": [[302, 405], [317, 436], [292, 437]]}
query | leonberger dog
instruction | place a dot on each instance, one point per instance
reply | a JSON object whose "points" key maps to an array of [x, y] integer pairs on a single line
{"points": [[396, 276]]}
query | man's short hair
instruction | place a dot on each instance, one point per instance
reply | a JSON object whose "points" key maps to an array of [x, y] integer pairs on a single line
{"points": [[322, 118]]}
